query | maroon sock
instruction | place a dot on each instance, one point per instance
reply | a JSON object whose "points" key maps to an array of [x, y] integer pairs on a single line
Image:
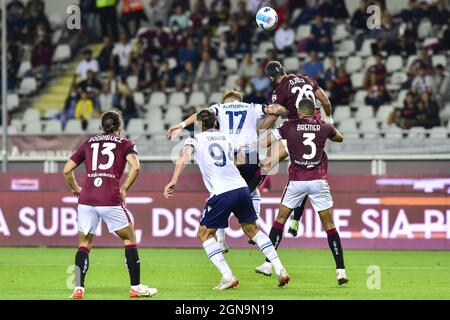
{"points": [[334, 241], [276, 234]]}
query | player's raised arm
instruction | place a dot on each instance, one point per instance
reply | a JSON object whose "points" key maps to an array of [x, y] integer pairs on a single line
{"points": [[175, 130], [320, 94], [267, 141], [181, 164], [69, 176], [135, 167], [338, 137], [276, 110]]}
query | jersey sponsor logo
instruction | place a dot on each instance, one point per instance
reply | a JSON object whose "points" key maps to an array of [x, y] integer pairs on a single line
{"points": [[274, 97]]}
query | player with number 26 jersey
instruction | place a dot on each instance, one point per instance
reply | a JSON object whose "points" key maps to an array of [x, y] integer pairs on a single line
{"points": [[104, 157]]}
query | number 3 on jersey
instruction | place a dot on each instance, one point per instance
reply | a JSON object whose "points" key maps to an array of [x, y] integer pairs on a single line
{"points": [[107, 150], [309, 141], [305, 91]]}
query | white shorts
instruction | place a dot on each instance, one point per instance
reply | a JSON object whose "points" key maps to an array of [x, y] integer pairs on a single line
{"points": [[317, 191], [115, 217]]}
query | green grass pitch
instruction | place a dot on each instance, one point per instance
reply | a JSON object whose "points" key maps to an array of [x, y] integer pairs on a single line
{"points": [[43, 273]]}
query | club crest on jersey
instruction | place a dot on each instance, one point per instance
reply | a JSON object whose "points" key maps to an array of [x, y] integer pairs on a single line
{"points": [[98, 182], [274, 97]]}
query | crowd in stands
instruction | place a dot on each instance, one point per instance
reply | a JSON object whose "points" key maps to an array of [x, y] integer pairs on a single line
{"points": [[171, 46]]}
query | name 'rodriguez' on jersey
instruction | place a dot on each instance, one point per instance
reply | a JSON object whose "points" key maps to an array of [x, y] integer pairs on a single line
{"points": [[104, 156]]}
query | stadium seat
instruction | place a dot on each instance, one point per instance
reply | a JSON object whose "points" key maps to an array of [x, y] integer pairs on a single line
{"points": [[357, 80], [302, 32], [398, 78], [173, 115], [215, 97], [155, 127], [264, 46], [230, 83], [416, 133], [53, 127], [439, 59], [383, 113], [346, 48], [348, 126], [340, 33], [393, 132], [136, 126], [438, 133], [197, 98], [177, 99], [18, 124], [424, 29], [370, 61], [56, 20], [353, 64], [62, 53], [24, 67], [73, 126], [154, 113], [138, 98], [364, 113], [230, 64], [410, 61], [360, 96], [157, 99], [394, 63], [93, 126], [34, 127], [445, 113], [12, 101], [291, 64], [366, 49], [31, 115], [369, 127], [341, 113], [51, 113], [222, 28], [400, 98], [28, 86], [132, 82]]}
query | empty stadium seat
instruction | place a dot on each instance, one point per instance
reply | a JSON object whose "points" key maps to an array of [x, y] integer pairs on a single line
{"points": [[24, 67], [394, 63], [197, 98], [17, 123], [215, 97], [136, 126], [132, 82], [94, 126], [357, 80], [438, 133], [53, 127], [400, 98], [302, 32], [439, 59], [398, 78], [353, 64], [154, 113], [348, 126], [173, 115], [369, 127], [364, 113], [34, 127], [291, 64], [360, 96], [341, 32], [31, 115], [341, 113], [424, 29], [410, 61], [73, 126], [12, 101], [177, 99], [157, 99], [231, 81], [416, 133], [62, 53], [370, 61], [383, 113], [155, 127], [230, 64], [445, 113], [346, 48], [138, 98], [393, 132], [51, 113], [264, 46], [366, 49], [28, 86]]}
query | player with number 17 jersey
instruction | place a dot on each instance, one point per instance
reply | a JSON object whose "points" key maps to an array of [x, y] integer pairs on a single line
{"points": [[104, 157]]}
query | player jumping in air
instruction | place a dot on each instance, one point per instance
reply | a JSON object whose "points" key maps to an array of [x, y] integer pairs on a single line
{"points": [[214, 154], [240, 121], [306, 138], [105, 156], [291, 88]]}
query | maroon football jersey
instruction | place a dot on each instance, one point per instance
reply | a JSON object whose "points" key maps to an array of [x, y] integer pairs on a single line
{"points": [[291, 90], [104, 157], [306, 138]]}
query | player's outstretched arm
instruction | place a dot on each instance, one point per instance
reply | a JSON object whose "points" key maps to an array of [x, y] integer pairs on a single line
{"points": [[320, 94], [276, 110], [267, 141], [181, 164], [69, 176], [339, 137], [135, 167], [174, 131]]}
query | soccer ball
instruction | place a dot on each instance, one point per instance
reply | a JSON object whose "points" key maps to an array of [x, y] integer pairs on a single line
{"points": [[266, 18]]}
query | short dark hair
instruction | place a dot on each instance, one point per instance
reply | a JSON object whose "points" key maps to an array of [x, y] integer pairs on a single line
{"points": [[111, 121], [307, 106], [275, 69], [207, 118]]}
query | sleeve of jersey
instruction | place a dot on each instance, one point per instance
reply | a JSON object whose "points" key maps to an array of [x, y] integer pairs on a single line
{"points": [[215, 109], [131, 149], [331, 131], [190, 142], [78, 156], [259, 108], [277, 134], [281, 132]]}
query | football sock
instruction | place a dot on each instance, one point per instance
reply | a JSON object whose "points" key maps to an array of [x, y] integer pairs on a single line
{"points": [[276, 234], [334, 241], [298, 212], [133, 264], [256, 198], [215, 255], [220, 235], [81, 266], [265, 245]]}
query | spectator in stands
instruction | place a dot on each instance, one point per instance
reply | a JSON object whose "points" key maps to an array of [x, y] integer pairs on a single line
{"points": [[13, 64], [440, 15], [208, 73], [248, 67], [88, 63], [377, 95], [148, 76], [445, 40], [16, 22], [121, 52], [422, 82], [321, 39], [41, 59], [340, 88], [284, 39], [84, 109], [378, 70], [408, 114], [442, 86], [189, 53], [220, 11], [259, 81], [105, 56], [132, 11], [166, 76], [91, 86], [106, 9], [242, 14], [332, 72], [156, 41], [125, 103], [311, 10], [159, 10], [88, 9], [314, 67], [179, 17], [106, 98], [198, 15], [240, 38], [70, 104], [35, 17], [427, 112], [186, 78]]}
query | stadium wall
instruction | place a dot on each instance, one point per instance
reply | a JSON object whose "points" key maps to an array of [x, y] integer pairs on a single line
{"points": [[377, 212]]}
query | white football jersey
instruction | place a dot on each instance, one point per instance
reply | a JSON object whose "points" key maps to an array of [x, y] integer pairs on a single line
{"points": [[214, 154], [240, 120]]}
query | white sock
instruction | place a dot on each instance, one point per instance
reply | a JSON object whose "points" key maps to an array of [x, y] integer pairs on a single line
{"points": [[220, 235], [266, 247], [215, 255], [256, 198]]}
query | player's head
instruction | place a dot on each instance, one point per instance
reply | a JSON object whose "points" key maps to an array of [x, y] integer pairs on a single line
{"points": [[232, 95], [206, 119], [275, 70], [306, 108], [111, 122]]}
